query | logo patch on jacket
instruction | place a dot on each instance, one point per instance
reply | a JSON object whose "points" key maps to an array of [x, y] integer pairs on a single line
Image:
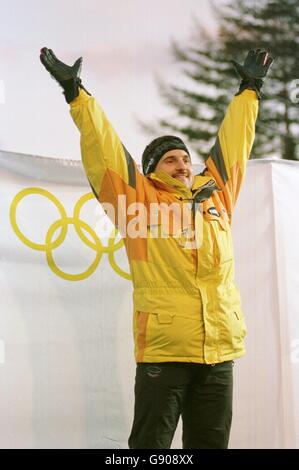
{"points": [[213, 211]]}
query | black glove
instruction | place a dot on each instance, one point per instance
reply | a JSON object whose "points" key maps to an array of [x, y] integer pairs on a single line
{"points": [[254, 70], [67, 76]]}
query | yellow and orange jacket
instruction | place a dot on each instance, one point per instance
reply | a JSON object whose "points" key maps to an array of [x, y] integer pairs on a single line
{"points": [[186, 304]]}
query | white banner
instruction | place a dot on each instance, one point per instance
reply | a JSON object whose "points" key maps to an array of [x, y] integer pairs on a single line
{"points": [[66, 305], [66, 347], [266, 234]]}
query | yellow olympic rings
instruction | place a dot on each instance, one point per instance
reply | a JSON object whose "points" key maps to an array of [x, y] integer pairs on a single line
{"points": [[63, 223], [13, 221]]}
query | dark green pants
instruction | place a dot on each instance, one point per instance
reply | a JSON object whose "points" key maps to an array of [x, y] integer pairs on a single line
{"points": [[200, 393]]}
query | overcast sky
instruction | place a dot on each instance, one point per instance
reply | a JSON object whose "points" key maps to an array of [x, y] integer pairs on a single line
{"points": [[125, 44]]}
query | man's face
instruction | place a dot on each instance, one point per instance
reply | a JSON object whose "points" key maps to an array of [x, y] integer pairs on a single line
{"points": [[177, 164]]}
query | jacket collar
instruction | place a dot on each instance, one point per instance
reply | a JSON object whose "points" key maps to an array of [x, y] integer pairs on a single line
{"points": [[163, 180]]}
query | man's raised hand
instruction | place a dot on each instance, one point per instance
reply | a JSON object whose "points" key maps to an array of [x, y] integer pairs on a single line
{"points": [[254, 70], [68, 76]]}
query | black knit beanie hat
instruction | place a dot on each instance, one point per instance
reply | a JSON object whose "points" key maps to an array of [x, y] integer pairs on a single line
{"points": [[156, 149]]}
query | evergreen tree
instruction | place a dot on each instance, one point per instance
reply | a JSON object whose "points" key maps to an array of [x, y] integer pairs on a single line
{"points": [[200, 108], [271, 25], [243, 24]]}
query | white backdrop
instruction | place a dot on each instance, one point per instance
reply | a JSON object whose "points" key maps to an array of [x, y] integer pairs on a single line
{"points": [[66, 347]]}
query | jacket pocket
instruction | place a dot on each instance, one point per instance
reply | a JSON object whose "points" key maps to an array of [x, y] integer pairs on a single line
{"points": [[168, 335], [164, 318]]}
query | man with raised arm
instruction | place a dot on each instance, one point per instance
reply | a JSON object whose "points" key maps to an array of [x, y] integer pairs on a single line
{"points": [[188, 321]]}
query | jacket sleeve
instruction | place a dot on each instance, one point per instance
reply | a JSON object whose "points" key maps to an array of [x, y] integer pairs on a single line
{"points": [[109, 167], [227, 160]]}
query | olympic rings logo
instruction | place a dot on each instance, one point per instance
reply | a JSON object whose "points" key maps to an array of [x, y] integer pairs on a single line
{"points": [[80, 227]]}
